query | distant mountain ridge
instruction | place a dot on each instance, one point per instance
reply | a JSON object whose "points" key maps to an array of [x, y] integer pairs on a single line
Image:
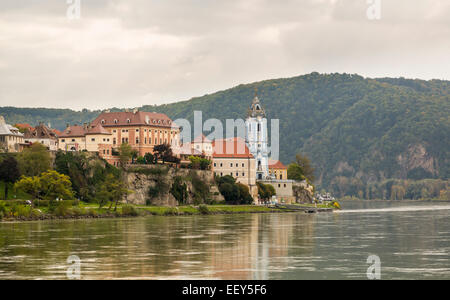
{"points": [[351, 126]]}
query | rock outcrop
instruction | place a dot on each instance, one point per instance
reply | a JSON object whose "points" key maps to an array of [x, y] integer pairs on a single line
{"points": [[151, 184]]}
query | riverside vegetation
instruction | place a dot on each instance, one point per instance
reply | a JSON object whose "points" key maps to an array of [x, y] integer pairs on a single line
{"points": [[36, 184]]}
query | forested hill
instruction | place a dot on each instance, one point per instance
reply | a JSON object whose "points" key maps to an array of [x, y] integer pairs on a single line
{"points": [[348, 125]]}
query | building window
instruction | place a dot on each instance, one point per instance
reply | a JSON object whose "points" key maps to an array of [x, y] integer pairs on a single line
{"points": [[243, 164], [115, 121], [221, 165], [73, 140], [237, 174], [243, 174], [62, 141], [137, 141], [214, 164], [114, 131], [114, 141], [231, 165], [137, 130], [145, 140], [92, 140], [259, 127]]}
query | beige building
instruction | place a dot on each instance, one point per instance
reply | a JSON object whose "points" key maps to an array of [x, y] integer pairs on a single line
{"points": [[283, 189], [86, 138], [11, 140], [232, 157]]}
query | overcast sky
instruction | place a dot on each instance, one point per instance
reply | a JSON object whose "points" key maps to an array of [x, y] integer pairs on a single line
{"points": [[128, 53]]}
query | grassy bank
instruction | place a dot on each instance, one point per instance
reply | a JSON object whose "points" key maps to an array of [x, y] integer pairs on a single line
{"points": [[74, 210]]}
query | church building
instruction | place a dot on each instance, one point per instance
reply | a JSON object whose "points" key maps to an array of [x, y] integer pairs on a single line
{"points": [[257, 138]]}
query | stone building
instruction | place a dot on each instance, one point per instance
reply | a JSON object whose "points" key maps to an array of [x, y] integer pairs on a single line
{"points": [[11, 140], [42, 134], [232, 157], [141, 130]]}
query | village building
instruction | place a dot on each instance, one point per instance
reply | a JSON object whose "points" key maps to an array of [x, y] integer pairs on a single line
{"points": [[199, 147], [232, 157], [141, 130], [87, 138], [11, 140], [42, 134], [277, 170]]}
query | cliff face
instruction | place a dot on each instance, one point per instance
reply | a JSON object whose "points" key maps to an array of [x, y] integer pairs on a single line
{"points": [[152, 185], [303, 192]]}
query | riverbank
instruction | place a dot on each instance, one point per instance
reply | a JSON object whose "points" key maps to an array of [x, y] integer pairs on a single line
{"points": [[89, 211]]}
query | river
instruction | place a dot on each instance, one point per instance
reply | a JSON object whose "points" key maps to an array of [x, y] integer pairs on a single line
{"points": [[412, 240]]}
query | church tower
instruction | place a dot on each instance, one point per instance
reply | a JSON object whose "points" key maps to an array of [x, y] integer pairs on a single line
{"points": [[257, 137]]}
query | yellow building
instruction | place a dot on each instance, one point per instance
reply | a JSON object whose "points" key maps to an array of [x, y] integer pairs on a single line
{"points": [[277, 170]]}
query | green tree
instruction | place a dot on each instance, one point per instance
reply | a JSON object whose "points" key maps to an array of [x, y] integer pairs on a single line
{"points": [[265, 191], [305, 164], [294, 172], [55, 185], [113, 190], [30, 185], [149, 158], [9, 172], [125, 154], [34, 160]]}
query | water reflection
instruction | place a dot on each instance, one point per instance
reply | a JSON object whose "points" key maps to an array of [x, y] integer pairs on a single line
{"points": [[411, 244]]}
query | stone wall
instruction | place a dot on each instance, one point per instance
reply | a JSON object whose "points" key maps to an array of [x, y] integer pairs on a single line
{"points": [[140, 179], [303, 192]]}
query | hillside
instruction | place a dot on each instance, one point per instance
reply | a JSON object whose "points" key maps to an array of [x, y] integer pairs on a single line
{"points": [[350, 126]]}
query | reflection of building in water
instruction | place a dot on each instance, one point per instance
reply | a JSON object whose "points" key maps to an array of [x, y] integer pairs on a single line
{"points": [[225, 247]]}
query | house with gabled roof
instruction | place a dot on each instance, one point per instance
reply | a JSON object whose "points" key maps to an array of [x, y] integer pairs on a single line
{"points": [[11, 140]]}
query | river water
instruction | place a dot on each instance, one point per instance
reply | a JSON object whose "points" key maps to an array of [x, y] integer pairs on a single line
{"points": [[412, 240]]}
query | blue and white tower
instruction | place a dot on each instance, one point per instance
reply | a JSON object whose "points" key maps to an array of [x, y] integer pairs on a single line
{"points": [[257, 138]]}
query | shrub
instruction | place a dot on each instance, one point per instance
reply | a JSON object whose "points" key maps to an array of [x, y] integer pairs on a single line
{"points": [[62, 209], [78, 211], [129, 210], [3, 208], [92, 212], [203, 209], [21, 211]]}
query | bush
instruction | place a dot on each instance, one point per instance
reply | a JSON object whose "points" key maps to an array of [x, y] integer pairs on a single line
{"points": [[62, 209], [78, 211], [203, 209], [129, 210], [21, 211], [3, 209], [92, 212]]}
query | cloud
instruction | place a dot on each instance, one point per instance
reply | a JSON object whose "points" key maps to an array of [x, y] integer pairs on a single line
{"points": [[131, 53]]}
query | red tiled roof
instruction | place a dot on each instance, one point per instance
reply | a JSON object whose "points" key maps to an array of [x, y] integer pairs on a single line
{"points": [[231, 148], [80, 131], [276, 164], [201, 139], [132, 119], [57, 132], [24, 126], [98, 129]]}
